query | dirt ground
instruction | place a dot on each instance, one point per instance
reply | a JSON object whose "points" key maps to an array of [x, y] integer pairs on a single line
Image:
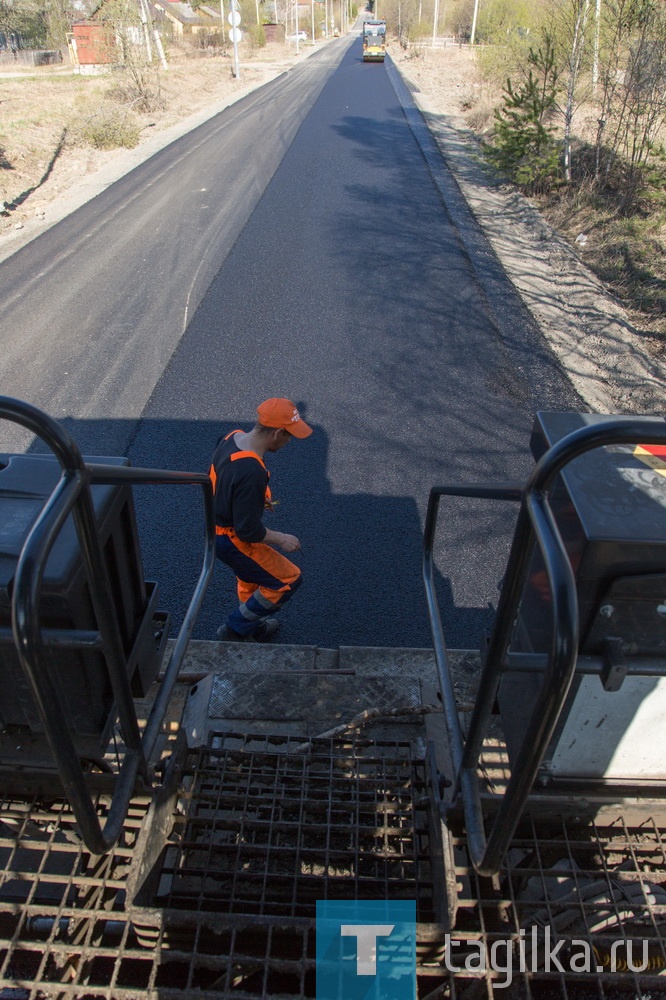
{"points": [[41, 163], [44, 178]]}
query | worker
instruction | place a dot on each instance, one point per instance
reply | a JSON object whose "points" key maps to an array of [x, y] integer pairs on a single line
{"points": [[265, 579]]}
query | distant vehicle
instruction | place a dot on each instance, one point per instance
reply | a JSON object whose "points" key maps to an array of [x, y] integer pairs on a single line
{"points": [[374, 41], [299, 36]]}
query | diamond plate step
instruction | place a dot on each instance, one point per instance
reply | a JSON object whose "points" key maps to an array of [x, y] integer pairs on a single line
{"points": [[286, 696], [303, 690], [204, 656]]}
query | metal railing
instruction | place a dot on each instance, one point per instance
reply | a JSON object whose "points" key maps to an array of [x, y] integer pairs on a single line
{"points": [[72, 495], [535, 526]]}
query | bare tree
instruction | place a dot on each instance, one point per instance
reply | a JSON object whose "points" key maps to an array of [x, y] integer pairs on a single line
{"points": [[401, 16], [571, 29], [37, 22], [128, 38], [633, 79]]}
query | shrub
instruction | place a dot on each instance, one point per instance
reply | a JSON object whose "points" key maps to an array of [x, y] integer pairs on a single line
{"points": [[496, 62], [211, 38], [139, 87], [417, 32], [256, 36], [106, 128]]}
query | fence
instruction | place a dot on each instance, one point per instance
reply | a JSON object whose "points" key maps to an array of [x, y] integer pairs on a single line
{"points": [[30, 57]]}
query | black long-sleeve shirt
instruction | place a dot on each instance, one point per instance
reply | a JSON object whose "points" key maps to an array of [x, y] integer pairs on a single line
{"points": [[240, 490]]}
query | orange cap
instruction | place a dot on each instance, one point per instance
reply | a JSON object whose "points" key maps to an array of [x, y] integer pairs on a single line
{"points": [[283, 414]]}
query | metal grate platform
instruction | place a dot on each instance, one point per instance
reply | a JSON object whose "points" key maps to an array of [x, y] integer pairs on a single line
{"points": [[593, 898], [263, 829], [60, 907], [268, 829]]}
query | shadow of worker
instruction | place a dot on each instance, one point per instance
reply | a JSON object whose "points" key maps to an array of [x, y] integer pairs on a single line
{"points": [[361, 553]]}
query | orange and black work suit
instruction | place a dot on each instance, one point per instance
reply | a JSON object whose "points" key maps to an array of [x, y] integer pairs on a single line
{"points": [[265, 578]]}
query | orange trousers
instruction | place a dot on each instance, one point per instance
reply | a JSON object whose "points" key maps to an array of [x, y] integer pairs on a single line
{"points": [[265, 579]]}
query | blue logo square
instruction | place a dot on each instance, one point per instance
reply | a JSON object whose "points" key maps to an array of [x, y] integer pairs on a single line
{"points": [[366, 949]]}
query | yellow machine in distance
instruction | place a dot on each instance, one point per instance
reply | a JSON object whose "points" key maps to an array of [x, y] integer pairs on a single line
{"points": [[374, 41]]}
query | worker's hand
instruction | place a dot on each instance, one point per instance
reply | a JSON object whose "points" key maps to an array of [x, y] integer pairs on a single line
{"points": [[289, 543]]}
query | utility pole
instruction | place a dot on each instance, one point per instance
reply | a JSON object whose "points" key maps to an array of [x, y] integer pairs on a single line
{"points": [[435, 20], [146, 33], [160, 48], [145, 21], [476, 14], [146, 18]]}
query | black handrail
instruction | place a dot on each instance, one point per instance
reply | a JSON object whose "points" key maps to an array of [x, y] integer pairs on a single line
{"points": [[535, 524], [488, 491], [72, 495]]}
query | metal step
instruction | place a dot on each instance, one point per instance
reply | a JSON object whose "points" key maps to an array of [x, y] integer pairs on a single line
{"points": [[204, 656], [306, 691]]}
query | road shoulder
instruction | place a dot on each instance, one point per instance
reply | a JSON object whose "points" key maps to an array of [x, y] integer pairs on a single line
{"points": [[587, 329], [119, 162]]}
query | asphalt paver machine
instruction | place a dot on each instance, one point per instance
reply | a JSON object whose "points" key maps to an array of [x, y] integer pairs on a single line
{"points": [[554, 828], [158, 840]]}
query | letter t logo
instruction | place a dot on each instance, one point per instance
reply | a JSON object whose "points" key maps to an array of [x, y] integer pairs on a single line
{"points": [[366, 944]]}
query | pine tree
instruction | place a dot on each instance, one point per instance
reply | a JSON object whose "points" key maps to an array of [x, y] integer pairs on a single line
{"points": [[524, 146]]}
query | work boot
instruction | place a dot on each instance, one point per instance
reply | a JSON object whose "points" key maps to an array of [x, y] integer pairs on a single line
{"points": [[263, 633]]}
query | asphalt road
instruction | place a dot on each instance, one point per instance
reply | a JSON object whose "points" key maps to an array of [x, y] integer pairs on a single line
{"points": [[351, 290], [351, 279], [93, 309]]}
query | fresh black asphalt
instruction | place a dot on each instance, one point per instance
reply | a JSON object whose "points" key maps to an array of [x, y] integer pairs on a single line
{"points": [[355, 290], [93, 308]]}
